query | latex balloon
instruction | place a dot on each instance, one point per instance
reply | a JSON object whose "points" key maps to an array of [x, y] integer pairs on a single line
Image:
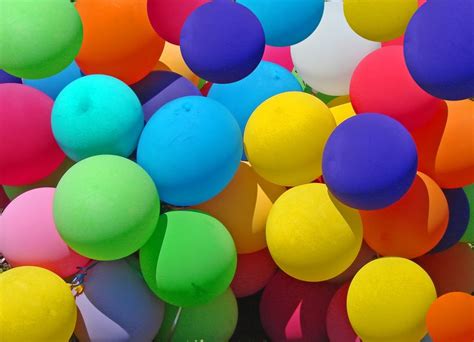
{"points": [[342, 112], [222, 41], [173, 59], [338, 327], [280, 55], [469, 233], [243, 207], [327, 58], [381, 83], [97, 114], [191, 148], [351, 161], [388, 300], [286, 22], [293, 310], [32, 240], [118, 40], [253, 273], [379, 20], [213, 321], [7, 78], [161, 87], [173, 269], [339, 100], [28, 151], [440, 57], [285, 136], [450, 318], [117, 305], [167, 16], [4, 200], [445, 147], [37, 305], [318, 217], [34, 45], [451, 269], [411, 226], [106, 207], [53, 85]]}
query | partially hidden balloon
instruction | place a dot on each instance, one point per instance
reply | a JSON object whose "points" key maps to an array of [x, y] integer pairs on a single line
{"points": [[280, 55], [338, 327], [342, 112], [5, 77], [37, 305], [173, 60], [469, 233]]}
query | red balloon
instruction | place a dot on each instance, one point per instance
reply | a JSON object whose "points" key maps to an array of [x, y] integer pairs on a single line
{"points": [[337, 321]]}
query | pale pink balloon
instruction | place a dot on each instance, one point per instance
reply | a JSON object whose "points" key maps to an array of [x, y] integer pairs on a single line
{"points": [[28, 235], [278, 55]]}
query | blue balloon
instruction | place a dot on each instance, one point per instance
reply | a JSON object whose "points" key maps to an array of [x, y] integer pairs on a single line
{"points": [[53, 85], [369, 161], [459, 214], [5, 77], [286, 22], [191, 148], [439, 48], [97, 114], [117, 305]]}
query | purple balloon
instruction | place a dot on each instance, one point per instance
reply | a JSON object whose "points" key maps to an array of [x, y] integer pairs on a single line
{"points": [[222, 41], [7, 78]]}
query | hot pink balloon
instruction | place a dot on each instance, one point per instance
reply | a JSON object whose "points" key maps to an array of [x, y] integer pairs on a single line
{"points": [[278, 55], [338, 327], [28, 235]]}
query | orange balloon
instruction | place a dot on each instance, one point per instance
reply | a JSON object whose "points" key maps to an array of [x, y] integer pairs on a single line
{"points": [[451, 318], [451, 270], [243, 208], [118, 39], [446, 145], [173, 59], [411, 226]]}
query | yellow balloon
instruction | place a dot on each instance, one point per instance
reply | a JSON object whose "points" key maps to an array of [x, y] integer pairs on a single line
{"points": [[285, 136], [311, 235], [173, 60], [35, 305], [379, 20], [388, 300], [243, 207], [342, 112]]}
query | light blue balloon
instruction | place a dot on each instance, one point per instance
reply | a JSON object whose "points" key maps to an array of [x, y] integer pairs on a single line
{"points": [[191, 147], [286, 22], [53, 85], [97, 114]]}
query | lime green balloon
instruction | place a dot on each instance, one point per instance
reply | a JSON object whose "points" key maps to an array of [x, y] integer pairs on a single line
{"points": [[469, 233], [106, 207], [213, 321], [190, 259], [38, 38]]}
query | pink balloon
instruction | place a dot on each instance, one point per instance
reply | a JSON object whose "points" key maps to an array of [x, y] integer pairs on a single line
{"points": [[28, 151], [337, 321], [278, 55], [28, 235]]}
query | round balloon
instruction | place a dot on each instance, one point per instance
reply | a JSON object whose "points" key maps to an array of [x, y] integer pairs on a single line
{"points": [[285, 136], [327, 58], [338, 327], [41, 40], [318, 217], [135, 315], [280, 55], [37, 305], [439, 57], [5, 77], [379, 20], [388, 300], [411, 226], [222, 41], [161, 87], [369, 161], [243, 207], [32, 240], [28, 152], [293, 310], [106, 207], [97, 114], [191, 148], [190, 258], [118, 40], [213, 321], [469, 233], [286, 22]]}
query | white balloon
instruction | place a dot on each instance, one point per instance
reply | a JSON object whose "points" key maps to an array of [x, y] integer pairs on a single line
{"points": [[328, 57]]}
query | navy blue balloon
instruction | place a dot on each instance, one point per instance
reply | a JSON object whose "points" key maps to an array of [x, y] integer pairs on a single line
{"points": [[459, 212], [369, 161], [5, 77], [222, 41], [439, 48]]}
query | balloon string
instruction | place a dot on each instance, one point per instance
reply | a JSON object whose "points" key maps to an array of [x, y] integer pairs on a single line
{"points": [[77, 283], [174, 324]]}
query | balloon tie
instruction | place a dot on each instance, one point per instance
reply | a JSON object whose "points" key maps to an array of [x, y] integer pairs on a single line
{"points": [[77, 283]]}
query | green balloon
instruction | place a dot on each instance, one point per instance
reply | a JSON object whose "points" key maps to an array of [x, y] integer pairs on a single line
{"points": [[469, 233], [190, 258], [38, 38], [106, 207], [213, 321]]}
